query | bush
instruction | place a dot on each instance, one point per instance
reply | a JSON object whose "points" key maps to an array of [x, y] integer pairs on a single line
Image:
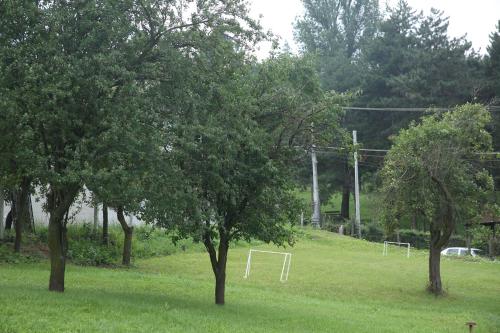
{"points": [[7, 255], [373, 232], [85, 245], [480, 236]]}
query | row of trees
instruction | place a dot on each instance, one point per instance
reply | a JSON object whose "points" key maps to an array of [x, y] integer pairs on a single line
{"points": [[393, 57], [159, 110]]}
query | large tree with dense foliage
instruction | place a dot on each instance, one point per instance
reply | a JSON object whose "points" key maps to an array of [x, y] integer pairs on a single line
{"points": [[413, 63], [435, 168], [337, 31], [491, 92]]}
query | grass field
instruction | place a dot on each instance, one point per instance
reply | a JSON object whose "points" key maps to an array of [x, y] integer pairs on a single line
{"points": [[336, 284]]}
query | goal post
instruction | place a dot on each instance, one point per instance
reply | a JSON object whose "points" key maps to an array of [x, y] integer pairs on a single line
{"points": [[386, 246], [285, 270]]}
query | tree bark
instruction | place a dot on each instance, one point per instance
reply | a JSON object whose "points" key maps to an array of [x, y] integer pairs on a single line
{"points": [[105, 225], [57, 255], [435, 285], [414, 221], [441, 230], [128, 232], [20, 202], [15, 211], [218, 264], [220, 276], [59, 202], [8, 220], [96, 217], [2, 220], [346, 192]]}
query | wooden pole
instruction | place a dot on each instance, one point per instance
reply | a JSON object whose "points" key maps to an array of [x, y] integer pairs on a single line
{"points": [[356, 184], [315, 219]]}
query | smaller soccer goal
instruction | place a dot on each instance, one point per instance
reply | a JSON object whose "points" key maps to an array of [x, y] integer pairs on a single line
{"points": [[287, 259], [386, 247]]}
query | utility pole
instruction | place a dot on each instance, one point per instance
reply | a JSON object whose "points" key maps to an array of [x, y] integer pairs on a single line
{"points": [[2, 227], [356, 183], [315, 218]]}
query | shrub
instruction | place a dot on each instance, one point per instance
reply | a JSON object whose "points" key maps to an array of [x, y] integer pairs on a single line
{"points": [[373, 232], [85, 245], [7, 255]]}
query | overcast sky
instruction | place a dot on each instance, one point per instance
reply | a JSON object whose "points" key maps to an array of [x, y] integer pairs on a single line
{"points": [[475, 18]]}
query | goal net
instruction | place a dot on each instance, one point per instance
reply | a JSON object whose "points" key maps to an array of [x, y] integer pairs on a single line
{"points": [[398, 244], [285, 269]]}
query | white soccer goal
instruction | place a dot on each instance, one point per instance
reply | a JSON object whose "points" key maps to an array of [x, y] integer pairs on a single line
{"points": [[284, 270], [386, 246]]}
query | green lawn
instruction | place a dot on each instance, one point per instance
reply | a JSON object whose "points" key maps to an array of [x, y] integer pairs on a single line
{"points": [[336, 284]]}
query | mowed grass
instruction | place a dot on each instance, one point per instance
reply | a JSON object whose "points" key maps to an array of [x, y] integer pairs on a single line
{"points": [[336, 284]]}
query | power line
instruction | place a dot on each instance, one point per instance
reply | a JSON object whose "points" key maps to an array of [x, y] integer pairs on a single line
{"points": [[356, 108], [387, 150]]}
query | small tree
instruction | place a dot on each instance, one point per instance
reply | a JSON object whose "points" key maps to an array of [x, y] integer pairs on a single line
{"points": [[237, 151], [434, 167]]}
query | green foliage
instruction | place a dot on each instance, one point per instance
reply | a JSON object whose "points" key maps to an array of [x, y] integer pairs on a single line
{"points": [[7, 255], [372, 232], [440, 154], [237, 149], [337, 31], [409, 53]]}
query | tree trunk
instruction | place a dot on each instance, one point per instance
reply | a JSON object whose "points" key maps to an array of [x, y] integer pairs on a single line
{"points": [[346, 192], [435, 285], [441, 230], [414, 221], [57, 253], [20, 202], [59, 202], [25, 202], [220, 276], [218, 263], [440, 235], [17, 225], [105, 225], [128, 232], [2, 220], [8, 220]]}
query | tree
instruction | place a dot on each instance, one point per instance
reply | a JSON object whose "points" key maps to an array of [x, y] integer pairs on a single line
{"points": [[235, 144], [435, 168], [491, 92], [15, 174], [492, 67], [66, 64], [337, 32]]}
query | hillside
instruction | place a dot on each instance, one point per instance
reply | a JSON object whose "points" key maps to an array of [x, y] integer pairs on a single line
{"points": [[336, 284]]}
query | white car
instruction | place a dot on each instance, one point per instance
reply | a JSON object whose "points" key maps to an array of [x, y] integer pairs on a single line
{"points": [[459, 251]]}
